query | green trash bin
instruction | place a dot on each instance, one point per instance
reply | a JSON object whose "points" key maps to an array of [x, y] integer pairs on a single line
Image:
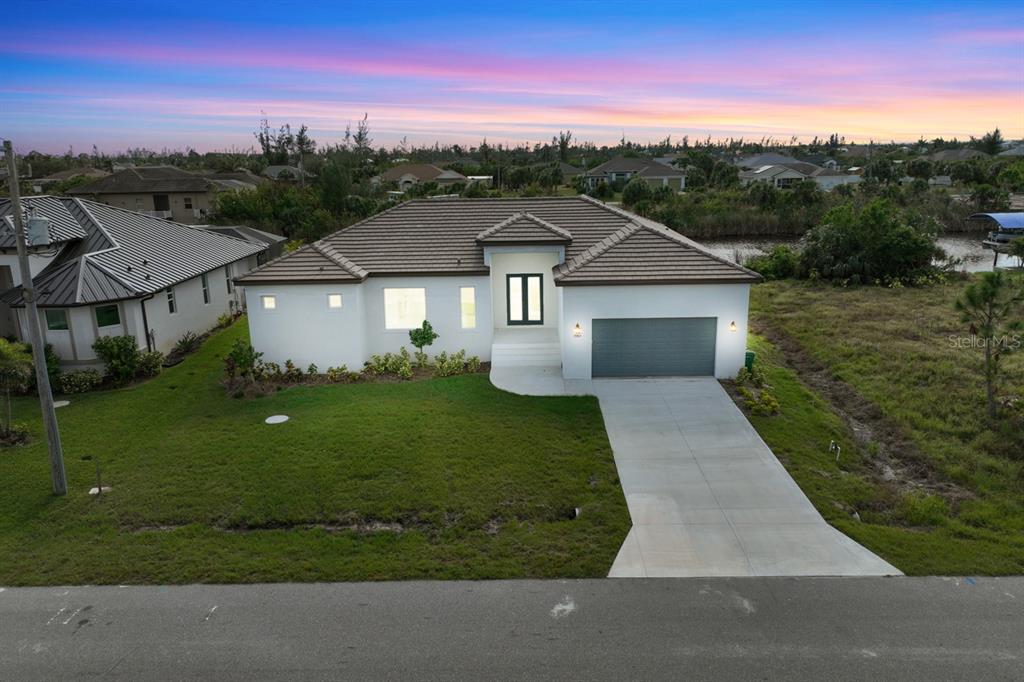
{"points": [[749, 363]]}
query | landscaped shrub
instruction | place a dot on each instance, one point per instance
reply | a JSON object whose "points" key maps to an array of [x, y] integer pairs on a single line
{"points": [[120, 356], [337, 375], [15, 370], [422, 337], [242, 360], [81, 381], [312, 370], [225, 320], [449, 365], [151, 363], [635, 191], [188, 342], [390, 364], [291, 372], [757, 394]]}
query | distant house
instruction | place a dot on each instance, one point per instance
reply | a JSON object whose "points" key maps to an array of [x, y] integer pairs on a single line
{"points": [[408, 175], [786, 175], [625, 168], [1013, 151], [569, 172], [114, 272], [292, 173], [765, 159], [823, 160], [958, 155], [61, 176], [161, 192]]}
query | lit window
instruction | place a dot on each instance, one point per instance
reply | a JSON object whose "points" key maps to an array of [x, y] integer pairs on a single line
{"points": [[404, 308], [268, 302], [107, 316], [467, 302], [57, 320], [227, 278], [206, 287], [172, 305], [334, 301]]}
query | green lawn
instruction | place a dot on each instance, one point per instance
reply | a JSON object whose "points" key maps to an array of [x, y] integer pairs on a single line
{"points": [[954, 500], [445, 478]]}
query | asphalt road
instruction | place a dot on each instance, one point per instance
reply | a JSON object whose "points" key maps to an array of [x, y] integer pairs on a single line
{"points": [[691, 629]]}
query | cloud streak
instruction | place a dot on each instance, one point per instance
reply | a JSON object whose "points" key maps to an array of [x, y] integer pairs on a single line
{"points": [[515, 80]]}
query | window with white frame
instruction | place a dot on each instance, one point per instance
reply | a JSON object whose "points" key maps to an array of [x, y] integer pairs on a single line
{"points": [[172, 303], [227, 278], [206, 287], [268, 302], [404, 308], [467, 307], [334, 301]]}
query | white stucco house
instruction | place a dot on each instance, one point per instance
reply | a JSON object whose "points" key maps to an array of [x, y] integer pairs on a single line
{"points": [[788, 175], [110, 272], [567, 282]]}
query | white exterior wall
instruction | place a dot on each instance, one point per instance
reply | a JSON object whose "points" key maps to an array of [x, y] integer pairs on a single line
{"points": [[582, 304], [192, 315], [521, 261], [303, 329], [443, 311], [36, 263]]}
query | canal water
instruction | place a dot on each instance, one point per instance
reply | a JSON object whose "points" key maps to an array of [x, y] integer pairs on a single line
{"points": [[967, 249]]}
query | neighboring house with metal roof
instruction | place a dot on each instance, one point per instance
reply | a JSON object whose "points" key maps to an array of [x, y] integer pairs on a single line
{"points": [[111, 272], [625, 168], [787, 175], [272, 243], [408, 175], [161, 192], [570, 283], [766, 159]]}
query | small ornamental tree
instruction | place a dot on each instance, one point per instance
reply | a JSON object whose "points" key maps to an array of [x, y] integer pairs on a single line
{"points": [[15, 371], [993, 306], [421, 337], [1017, 249]]}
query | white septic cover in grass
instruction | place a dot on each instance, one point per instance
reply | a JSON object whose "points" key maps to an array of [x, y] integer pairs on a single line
{"points": [[62, 403], [277, 419]]}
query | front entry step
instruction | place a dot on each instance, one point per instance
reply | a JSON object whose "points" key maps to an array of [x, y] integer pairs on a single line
{"points": [[526, 355], [526, 347]]}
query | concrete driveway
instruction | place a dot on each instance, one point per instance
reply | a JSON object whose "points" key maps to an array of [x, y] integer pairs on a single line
{"points": [[707, 496]]}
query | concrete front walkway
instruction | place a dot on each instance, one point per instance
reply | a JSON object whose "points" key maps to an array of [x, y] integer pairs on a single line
{"points": [[706, 495]]}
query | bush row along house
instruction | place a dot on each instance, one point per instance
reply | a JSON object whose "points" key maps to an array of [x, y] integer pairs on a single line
{"points": [[113, 272]]}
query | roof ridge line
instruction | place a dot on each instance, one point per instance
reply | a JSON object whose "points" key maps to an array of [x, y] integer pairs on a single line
{"points": [[523, 215], [99, 225], [595, 250], [335, 256], [107, 271]]}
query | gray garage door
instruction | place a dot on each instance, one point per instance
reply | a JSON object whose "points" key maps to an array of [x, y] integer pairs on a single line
{"points": [[664, 346]]}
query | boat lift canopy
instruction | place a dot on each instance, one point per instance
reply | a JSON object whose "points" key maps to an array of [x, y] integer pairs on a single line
{"points": [[1005, 221]]}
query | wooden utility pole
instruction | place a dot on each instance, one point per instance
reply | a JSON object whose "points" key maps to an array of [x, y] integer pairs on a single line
{"points": [[35, 332]]}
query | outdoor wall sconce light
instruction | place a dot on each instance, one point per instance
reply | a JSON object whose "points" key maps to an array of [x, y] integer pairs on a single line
{"points": [[732, 326], [577, 331]]}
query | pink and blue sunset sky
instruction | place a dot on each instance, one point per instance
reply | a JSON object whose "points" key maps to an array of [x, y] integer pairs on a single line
{"points": [[180, 74]]}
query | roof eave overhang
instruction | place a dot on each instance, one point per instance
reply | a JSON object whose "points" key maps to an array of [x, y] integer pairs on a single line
{"points": [[643, 282]]}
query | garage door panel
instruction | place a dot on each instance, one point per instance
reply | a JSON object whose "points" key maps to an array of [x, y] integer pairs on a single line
{"points": [[669, 346]]}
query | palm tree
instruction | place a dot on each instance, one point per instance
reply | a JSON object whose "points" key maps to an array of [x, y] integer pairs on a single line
{"points": [[15, 371], [993, 306]]}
